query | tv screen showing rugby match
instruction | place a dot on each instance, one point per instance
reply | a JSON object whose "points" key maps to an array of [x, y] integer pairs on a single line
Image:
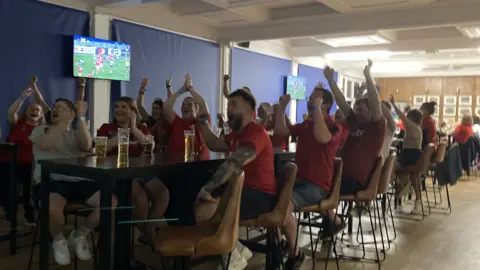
{"points": [[101, 59]]}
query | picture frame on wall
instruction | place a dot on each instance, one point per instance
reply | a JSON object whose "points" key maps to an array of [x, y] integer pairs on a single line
{"points": [[449, 100], [435, 99], [464, 111], [418, 100], [465, 100], [477, 111], [449, 111]]}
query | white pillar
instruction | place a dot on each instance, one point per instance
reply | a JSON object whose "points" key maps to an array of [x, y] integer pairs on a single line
{"points": [[293, 103], [225, 68], [99, 90]]}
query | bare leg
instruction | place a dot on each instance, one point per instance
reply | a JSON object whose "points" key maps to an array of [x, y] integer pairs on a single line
{"points": [[140, 201], [94, 218], [159, 196], [291, 231], [57, 218], [204, 211], [415, 178]]}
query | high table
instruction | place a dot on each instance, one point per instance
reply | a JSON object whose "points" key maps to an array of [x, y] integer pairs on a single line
{"points": [[111, 177]]}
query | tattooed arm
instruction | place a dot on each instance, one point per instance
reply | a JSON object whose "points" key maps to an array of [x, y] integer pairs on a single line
{"points": [[232, 167]]}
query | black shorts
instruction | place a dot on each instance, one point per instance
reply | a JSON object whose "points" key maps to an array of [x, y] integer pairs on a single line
{"points": [[253, 202], [350, 186], [72, 191]]}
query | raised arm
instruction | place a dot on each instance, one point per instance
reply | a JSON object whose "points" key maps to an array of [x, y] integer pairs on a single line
{"points": [[38, 95], [400, 113], [372, 94], [83, 135], [81, 89], [168, 111], [226, 88], [213, 142], [15, 107], [320, 130], [281, 127], [202, 104], [337, 93], [386, 112], [140, 99], [168, 85]]}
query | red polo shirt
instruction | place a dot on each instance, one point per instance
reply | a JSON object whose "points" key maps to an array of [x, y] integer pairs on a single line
{"points": [[110, 130], [176, 136], [315, 160], [463, 133], [428, 124], [345, 132], [362, 147], [19, 135], [260, 173], [277, 141]]}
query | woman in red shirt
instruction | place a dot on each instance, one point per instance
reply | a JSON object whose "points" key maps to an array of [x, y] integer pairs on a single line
{"points": [[125, 115], [429, 127], [464, 130], [21, 128]]}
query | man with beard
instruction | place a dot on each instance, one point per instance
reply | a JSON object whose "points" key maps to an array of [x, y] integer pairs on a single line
{"points": [[251, 152], [367, 131]]}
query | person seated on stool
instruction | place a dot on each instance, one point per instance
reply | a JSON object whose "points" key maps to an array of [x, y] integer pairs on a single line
{"points": [[412, 149], [59, 141], [318, 140], [252, 152], [367, 130], [144, 190], [464, 130]]}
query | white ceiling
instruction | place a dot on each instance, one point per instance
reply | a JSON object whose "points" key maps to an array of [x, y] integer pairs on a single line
{"points": [[422, 37]]}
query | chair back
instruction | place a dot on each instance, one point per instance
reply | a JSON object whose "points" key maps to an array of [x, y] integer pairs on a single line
{"points": [[228, 213], [440, 155], [424, 161], [286, 180], [370, 192], [332, 201], [387, 172]]}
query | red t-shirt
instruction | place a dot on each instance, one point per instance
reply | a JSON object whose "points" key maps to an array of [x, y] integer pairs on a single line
{"points": [[19, 135], [176, 136], [315, 160], [401, 125], [345, 132], [277, 141], [110, 130], [260, 173], [362, 147], [428, 125], [463, 133]]}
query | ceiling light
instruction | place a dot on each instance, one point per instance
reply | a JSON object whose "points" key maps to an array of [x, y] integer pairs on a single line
{"points": [[355, 41], [352, 56], [397, 67], [470, 31]]}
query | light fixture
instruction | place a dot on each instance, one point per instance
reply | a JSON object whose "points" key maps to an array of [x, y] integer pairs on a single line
{"points": [[471, 31], [397, 67], [355, 40], [358, 56]]}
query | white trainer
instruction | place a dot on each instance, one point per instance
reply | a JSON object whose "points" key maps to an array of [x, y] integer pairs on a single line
{"points": [[80, 245], [417, 209], [61, 254], [244, 251], [237, 261]]}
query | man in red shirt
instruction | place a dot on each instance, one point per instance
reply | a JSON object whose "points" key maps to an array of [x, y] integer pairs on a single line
{"points": [[318, 140], [252, 153], [429, 127], [176, 126], [367, 130]]}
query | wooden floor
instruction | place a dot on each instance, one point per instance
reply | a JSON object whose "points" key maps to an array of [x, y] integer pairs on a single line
{"points": [[439, 242]]}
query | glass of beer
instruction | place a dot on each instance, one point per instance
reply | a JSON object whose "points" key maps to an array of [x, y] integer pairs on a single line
{"points": [[101, 147], [189, 143], [123, 143], [147, 145]]}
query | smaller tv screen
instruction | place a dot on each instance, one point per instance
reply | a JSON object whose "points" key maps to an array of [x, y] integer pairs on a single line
{"points": [[101, 59], [296, 87]]}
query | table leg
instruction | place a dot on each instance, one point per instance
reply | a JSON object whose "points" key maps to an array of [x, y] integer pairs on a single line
{"points": [[123, 232], [13, 209], [44, 219], [105, 245]]}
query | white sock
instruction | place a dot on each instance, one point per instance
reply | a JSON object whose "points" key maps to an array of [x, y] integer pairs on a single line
{"points": [[59, 237]]}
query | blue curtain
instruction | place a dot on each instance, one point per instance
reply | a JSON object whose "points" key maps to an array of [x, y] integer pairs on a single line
{"points": [[37, 40], [313, 76], [158, 55], [263, 74]]}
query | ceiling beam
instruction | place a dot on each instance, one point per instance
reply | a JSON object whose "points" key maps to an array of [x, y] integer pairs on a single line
{"points": [[122, 3], [412, 17]]}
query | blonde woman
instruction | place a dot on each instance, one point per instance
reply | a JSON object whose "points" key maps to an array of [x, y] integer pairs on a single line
{"points": [[464, 130]]}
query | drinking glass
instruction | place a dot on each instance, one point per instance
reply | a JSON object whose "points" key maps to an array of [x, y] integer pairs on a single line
{"points": [[226, 129], [123, 143], [147, 145], [189, 143], [100, 147]]}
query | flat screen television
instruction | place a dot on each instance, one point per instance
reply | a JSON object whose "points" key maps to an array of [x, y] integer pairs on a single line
{"points": [[101, 59], [295, 86]]}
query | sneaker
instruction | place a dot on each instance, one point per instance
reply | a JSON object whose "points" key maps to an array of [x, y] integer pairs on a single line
{"points": [[417, 209], [333, 229], [61, 254], [80, 245], [296, 262], [237, 261], [244, 251]]}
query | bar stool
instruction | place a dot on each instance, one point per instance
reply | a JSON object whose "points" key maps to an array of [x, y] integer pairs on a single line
{"points": [[324, 206], [216, 236], [436, 160], [276, 219]]}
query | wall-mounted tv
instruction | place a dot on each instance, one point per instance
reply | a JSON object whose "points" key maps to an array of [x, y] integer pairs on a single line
{"points": [[295, 86], [101, 59]]}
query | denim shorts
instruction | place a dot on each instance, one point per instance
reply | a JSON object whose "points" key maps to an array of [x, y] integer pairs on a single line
{"points": [[306, 193]]}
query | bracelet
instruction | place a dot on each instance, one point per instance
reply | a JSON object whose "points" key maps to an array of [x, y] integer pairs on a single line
{"points": [[203, 122], [169, 86], [82, 118], [314, 108]]}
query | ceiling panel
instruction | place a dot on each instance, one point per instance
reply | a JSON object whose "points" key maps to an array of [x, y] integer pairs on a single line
{"points": [[300, 11], [368, 4], [428, 33]]}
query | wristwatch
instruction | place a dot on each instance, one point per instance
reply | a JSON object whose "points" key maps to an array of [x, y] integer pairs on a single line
{"points": [[82, 118]]}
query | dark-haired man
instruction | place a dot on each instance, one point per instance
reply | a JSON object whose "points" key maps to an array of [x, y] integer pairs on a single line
{"points": [[367, 130], [318, 140], [251, 152], [60, 141]]}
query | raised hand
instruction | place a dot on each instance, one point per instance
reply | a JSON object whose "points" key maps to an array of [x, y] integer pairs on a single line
{"points": [[392, 100], [27, 92], [226, 77], [188, 82], [33, 80], [366, 71], [168, 83], [81, 82], [329, 73], [145, 82], [82, 107], [284, 100], [317, 98]]}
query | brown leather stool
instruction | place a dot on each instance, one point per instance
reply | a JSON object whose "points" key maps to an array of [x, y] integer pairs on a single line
{"points": [[436, 160]]}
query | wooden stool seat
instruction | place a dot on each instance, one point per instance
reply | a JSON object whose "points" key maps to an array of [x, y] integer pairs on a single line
{"points": [[182, 240]]}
